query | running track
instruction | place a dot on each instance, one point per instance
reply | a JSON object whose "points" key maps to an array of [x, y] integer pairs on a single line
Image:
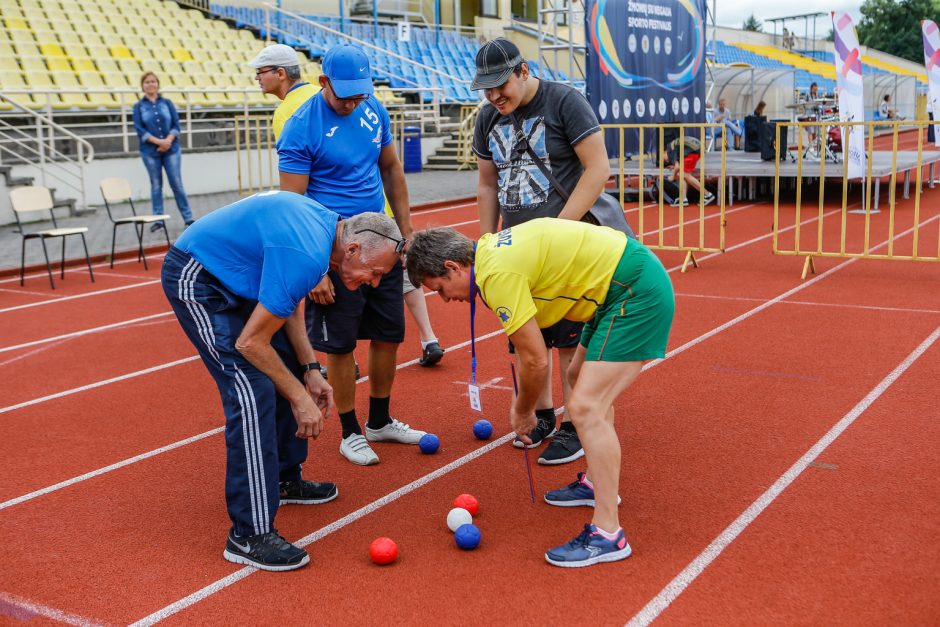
{"points": [[780, 465]]}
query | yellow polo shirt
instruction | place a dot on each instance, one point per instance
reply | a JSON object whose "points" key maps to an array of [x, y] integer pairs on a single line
{"points": [[548, 269], [292, 101]]}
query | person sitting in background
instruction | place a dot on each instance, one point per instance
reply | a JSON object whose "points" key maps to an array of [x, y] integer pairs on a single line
{"points": [[888, 112], [785, 40], [759, 109], [158, 127], [722, 115]]}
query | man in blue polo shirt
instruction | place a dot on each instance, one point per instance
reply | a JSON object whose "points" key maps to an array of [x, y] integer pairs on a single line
{"points": [[236, 281], [337, 149]]}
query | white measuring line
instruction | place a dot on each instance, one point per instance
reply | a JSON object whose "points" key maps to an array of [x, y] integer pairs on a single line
{"points": [[810, 303], [677, 586], [76, 296], [221, 584], [30, 609], [105, 327]]}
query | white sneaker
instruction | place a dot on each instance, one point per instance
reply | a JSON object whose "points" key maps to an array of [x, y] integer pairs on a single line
{"points": [[357, 450], [395, 431]]}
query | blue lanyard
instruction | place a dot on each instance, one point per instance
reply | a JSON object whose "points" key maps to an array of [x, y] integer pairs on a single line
{"points": [[473, 311]]}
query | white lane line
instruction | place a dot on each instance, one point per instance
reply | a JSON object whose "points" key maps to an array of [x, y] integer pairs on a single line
{"points": [[107, 469], [323, 532], [168, 447], [23, 610], [86, 295], [22, 291], [677, 586], [425, 212], [97, 384], [809, 303], [105, 327], [101, 264]]}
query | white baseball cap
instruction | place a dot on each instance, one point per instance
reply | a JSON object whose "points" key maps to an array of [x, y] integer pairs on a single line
{"points": [[275, 55]]}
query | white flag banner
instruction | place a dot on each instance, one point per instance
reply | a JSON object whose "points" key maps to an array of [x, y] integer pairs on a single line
{"points": [[850, 92], [932, 63]]}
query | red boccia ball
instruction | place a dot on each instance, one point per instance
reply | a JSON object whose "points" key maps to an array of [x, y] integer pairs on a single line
{"points": [[468, 502], [383, 551]]}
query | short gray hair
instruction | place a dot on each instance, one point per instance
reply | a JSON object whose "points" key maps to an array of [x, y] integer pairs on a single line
{"points": [[382, 233], [429, 250], [293, 72]]}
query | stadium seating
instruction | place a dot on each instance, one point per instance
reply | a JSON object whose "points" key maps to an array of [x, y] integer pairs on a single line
{"points": [[81, 45]]}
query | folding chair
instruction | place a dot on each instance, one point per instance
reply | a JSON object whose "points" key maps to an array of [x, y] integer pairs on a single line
{"points": [[33, 200], [118, 190]]}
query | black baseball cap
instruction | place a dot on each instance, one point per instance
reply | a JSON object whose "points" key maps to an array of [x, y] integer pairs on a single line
{"points": [[495, 62]]}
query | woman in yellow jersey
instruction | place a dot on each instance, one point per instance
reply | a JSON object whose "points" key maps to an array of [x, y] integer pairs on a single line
{"points": [[533, 275]]}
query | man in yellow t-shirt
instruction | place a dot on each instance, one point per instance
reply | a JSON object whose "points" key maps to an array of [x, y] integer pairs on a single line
{"points": [[533, 275], [277, 71]]}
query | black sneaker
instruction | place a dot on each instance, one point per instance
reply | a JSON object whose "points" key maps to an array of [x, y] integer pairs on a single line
{"points": [[565, 447], [156, 226], [431, 355], [543, 430], [267, 551], [307, 492]]}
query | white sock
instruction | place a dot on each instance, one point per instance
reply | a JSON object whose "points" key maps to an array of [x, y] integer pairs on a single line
{"points": [[587, 481], [424, 344], [608, 534]]}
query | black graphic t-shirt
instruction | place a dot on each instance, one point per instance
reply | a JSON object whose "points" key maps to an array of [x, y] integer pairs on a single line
{"points": [[556, 119]]}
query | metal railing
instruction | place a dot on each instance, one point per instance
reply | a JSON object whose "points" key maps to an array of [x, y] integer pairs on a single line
{"points": [[703, 231], [36, 145], [821, 159], [468, 120]]}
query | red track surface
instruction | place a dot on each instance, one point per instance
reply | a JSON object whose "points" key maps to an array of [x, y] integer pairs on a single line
{"points": [[762, 366]]}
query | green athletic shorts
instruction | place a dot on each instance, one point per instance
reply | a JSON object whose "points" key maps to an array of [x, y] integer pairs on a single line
{"points": [[633, 322]]}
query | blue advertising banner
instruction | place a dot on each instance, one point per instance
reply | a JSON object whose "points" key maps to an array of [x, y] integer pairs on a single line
{"points": [[645, 63]]}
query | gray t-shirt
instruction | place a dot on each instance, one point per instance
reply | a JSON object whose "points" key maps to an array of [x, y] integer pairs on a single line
{"points": [[556, 119]]}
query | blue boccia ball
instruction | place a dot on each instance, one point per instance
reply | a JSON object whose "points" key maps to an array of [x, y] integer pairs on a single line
{"points": [[467, 537], [482, 429], [429, 443]]}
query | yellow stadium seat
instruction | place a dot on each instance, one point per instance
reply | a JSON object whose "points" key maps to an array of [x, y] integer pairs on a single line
{"points": [[75, 50], [91, 39], [26, 49], [58, 64], [11, 79], [172, 67], [106, 64], [105, 29], [84, 64], [171, 42], [51, 50], [69, 38], [15, 22], [161, 54], [39, 24], [90, 78], [8, 63], [22, 36], [6, 51], [120, 52], [129, 65], [182, 54], [32, 64]]}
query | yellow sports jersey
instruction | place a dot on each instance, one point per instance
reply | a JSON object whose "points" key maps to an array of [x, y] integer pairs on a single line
{"points": [[291, 103], [549, 269]]}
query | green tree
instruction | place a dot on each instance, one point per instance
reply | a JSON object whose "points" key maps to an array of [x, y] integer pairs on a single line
{"points": [[893, 26], [753, 24]]}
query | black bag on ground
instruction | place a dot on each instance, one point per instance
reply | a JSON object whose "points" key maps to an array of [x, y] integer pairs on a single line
{"points": [[670, 191], [753, 127], [767, 143]]}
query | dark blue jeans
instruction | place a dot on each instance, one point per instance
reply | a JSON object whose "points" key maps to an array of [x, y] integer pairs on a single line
{"points": [[169, 161]]}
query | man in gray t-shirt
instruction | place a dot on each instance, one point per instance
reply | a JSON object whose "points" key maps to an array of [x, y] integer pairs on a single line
{"points": [[554, 122], [560, 127]]}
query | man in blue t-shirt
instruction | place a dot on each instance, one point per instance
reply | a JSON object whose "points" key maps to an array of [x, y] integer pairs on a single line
{"points": [[236, 280], [337, 149]]}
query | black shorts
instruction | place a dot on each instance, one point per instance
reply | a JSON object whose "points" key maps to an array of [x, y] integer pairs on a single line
{"points": [[368, 313], [562, 334]]}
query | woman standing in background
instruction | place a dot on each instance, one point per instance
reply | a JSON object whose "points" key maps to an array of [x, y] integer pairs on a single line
{"points": [[158, 128]]}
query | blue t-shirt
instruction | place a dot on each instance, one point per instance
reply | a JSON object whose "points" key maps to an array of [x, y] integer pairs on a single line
{"points": [[273, 247], [339, 153]]}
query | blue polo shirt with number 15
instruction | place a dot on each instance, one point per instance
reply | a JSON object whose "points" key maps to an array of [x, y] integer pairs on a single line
{"points": [[340, 153]]}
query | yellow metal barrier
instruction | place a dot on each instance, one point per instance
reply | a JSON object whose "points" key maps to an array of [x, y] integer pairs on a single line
{"points": [[468, 118], [256, 161], [856, 229], [707, 229]]}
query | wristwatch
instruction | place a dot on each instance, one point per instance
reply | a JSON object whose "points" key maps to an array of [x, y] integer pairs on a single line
{"points": [[313, 365]]}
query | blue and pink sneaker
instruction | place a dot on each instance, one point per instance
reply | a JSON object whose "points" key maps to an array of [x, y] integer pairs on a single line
{"points": [[591, 546], [576, 493]]}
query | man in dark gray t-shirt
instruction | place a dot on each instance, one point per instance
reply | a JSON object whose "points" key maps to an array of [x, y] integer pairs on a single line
{"points": [[558, 124], [554, 122]]}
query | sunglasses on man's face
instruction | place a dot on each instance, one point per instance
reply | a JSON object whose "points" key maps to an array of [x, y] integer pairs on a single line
{"points": [[399, 243]]}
